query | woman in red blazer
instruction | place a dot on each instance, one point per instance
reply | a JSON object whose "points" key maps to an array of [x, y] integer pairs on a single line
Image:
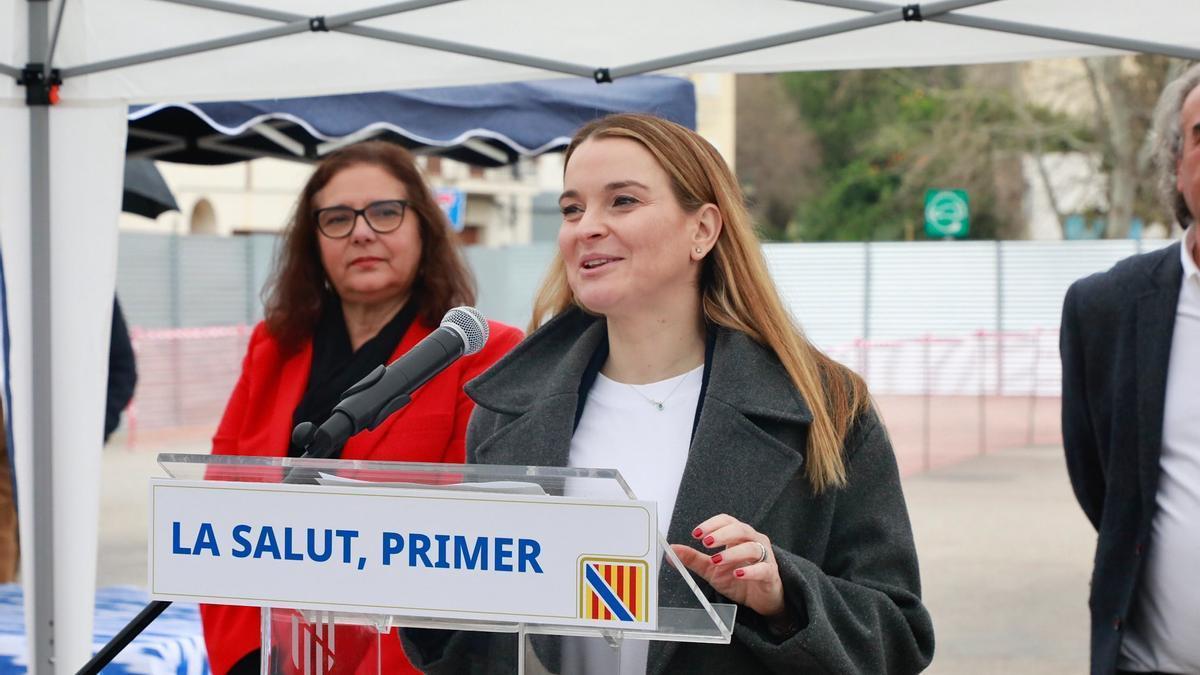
{"points": [[367, 269]]}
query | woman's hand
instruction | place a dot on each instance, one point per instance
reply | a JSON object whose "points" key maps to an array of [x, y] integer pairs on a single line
{"points": [[745, 571]]}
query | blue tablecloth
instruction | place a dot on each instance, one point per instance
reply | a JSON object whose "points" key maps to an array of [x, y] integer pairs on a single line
{"points": [[174, 643]]}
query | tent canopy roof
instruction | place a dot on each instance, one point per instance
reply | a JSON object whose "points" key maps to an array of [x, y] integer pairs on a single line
{"points": [[423, 43], [113, 52]]}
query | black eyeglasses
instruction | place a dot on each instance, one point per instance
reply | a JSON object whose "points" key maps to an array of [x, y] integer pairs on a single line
{"points": [[337, 222]]}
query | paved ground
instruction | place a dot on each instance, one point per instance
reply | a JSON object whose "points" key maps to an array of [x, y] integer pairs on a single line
{"points": [[1005, 554], [1005, 558], [124, 495]]}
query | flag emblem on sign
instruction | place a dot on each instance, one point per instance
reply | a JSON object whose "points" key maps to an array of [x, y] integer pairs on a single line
{"points": [[612, 589]]}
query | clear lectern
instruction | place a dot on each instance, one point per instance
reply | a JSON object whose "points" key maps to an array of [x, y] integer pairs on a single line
{"points": [[340, 554]]}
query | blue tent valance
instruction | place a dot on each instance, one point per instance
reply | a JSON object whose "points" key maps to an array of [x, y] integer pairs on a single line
{"points": [[489, 125]]}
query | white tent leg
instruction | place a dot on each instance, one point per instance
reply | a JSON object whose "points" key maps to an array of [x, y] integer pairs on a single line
{"points": [[87, 149], [58, 230]]}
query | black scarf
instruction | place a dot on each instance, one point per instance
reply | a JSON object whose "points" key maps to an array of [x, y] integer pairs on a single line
{"points": [[336, 366]]}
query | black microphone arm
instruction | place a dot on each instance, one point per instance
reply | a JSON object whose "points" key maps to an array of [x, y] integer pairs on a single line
{"points": [[363, 407], [373, 399]]}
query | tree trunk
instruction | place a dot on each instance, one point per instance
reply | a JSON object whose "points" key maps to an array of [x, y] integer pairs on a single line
{"points": [[1113, 100]]}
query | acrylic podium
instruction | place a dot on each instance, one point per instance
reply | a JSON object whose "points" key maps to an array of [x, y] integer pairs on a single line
{"points": [[339, 554]]}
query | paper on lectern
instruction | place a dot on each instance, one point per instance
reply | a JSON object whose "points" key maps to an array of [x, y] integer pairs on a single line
{"points": [[501, 486]]}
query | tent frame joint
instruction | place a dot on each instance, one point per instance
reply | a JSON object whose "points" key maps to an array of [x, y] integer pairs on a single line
{"points": [[41, 89], [912, 12], [602, 76], [316, 24]]}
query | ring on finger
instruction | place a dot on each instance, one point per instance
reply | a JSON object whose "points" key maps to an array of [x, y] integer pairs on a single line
{"points": [[762, 557]]}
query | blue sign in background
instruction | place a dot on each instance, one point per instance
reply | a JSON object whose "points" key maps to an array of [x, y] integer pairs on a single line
{"points": [[454, 202]]}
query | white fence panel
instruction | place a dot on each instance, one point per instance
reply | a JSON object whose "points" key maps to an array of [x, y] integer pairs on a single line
{"points": [[824, 287], [930, 318]]}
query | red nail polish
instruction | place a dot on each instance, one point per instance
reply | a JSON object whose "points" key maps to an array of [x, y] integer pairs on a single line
{"points": [[697, 532], [716, 559], [708, 541], [739, 573]]}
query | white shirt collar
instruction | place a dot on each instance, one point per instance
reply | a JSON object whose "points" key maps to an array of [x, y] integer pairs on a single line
{"points": [[1190, 268]]}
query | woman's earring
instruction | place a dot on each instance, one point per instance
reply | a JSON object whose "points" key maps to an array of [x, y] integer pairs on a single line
{"points": [[699, 251]]}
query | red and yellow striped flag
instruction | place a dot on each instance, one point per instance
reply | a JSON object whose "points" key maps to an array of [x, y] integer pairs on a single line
{"points": [[613, 589]]}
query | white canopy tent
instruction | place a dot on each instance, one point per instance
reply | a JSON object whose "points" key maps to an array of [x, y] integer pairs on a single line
{"points": [[60, 165]]}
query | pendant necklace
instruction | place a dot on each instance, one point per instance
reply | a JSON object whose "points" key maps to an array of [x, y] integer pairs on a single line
{"points": [[658, 405]]}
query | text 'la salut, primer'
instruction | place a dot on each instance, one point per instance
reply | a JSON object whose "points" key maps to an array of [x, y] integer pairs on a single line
{"points": [[321, 545]]}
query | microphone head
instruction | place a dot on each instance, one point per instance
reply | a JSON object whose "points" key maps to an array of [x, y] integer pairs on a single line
{"points": [[470, 325]]}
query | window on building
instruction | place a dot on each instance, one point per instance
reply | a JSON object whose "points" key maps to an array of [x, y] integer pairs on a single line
{"points": [[203, 219], [471, 234]]}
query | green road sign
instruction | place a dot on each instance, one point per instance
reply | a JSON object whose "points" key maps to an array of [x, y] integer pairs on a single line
{"points": [[947, 214]]}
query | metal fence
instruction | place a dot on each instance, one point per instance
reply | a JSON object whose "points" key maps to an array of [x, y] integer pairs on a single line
{"points": [[957, 340], [947, 398], [937, 395]]}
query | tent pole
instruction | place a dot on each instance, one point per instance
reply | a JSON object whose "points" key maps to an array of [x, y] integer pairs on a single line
{"points": [[292, 26], [212, 143], [10, 71], [279, 138], [551, 65], [1094, 39], [185, 50], [1031, 30], [62, 9], [401, 38], [40, 627], [885, 14], [339, 19], [155, 153]]}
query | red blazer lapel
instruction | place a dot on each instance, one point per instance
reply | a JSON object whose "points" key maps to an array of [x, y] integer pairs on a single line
{"points": [[277, 384]]}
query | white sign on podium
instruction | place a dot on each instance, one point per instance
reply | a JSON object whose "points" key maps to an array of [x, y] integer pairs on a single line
{"points": [[455, 554], [341, 553]]}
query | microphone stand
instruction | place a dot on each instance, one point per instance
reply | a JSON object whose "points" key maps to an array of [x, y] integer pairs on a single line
{"points": [[131, 630], [467, 332], [304, 435]]}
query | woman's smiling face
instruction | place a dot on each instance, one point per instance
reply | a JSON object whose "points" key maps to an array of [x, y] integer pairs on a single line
{"points": [[625, 239]]}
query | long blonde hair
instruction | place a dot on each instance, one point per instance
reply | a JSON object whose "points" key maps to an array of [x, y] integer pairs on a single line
{"points": [[737, 291]]}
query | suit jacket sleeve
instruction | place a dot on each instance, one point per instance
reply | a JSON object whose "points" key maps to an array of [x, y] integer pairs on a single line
{"points": [[860, 610], [1079, 436]]}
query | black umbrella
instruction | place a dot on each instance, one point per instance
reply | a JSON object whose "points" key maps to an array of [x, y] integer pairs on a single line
{"points": [[146, 193]]}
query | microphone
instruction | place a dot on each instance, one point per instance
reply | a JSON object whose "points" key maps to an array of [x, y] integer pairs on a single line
{"points": [[371, 400], [364, 406]]}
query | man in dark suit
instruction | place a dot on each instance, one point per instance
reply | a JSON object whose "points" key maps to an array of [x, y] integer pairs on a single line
{"points": [[1130, 345]]}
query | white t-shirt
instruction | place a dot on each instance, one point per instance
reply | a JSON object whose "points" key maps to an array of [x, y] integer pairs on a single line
{"points": [[622, 428]]}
